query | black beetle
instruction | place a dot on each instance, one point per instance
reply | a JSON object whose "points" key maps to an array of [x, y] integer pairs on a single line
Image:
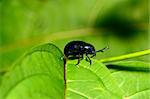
{"points": [[76, 50]]}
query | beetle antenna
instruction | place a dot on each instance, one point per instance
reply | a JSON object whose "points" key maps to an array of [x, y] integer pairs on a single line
{"points": [[102, 50]]}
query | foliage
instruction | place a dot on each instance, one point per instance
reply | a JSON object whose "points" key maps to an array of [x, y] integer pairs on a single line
{"points": [[40, 74], [120, 24]]}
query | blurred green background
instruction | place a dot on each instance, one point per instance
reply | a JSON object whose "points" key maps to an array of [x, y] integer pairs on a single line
{"points": [[121, 24]]}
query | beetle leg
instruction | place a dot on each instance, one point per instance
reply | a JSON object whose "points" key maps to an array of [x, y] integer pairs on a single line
{"points": [[93, 56], [78, 59], [81, 57], [88, 59]]}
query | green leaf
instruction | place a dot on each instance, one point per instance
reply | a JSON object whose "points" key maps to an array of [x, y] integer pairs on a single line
{"points": [[38, 74], [133, 77], [91, 82]]}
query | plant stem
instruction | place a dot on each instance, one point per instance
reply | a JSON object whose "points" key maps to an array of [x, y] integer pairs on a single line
{"points": [[122, 57], [65, 82]]}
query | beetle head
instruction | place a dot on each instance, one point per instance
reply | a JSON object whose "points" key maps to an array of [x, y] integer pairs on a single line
{"points": [[89, 49]]}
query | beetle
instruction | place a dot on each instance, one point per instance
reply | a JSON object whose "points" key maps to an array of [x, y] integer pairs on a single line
{"points": [[77, 49]]}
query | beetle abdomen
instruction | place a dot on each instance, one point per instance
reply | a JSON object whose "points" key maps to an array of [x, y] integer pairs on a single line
{"points": [[74, 47]]}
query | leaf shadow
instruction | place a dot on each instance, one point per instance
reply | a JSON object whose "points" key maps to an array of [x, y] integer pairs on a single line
{"points": [[125, 68]]}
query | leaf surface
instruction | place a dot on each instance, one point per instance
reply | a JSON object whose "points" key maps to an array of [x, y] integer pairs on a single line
{"points": [[38, 74], [133, 77], [91, 82]]}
